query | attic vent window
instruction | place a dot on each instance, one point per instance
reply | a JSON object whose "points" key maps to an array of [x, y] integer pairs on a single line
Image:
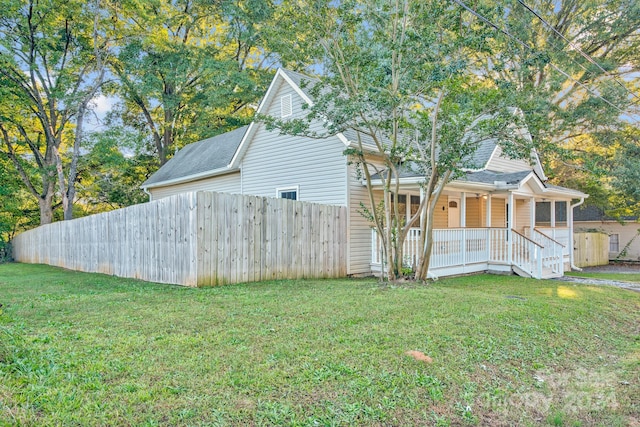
{"points": [[285, 106]]}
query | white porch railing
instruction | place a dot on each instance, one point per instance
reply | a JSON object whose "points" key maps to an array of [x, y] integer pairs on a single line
{"points": [[464, 246], [526, 254], [561, 235], [553, 251]]}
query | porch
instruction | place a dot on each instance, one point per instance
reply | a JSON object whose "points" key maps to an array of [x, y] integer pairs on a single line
{"points": [[497, 250]]}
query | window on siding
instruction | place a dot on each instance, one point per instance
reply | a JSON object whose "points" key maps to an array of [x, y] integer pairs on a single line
{"points": [[401, 201], [286, 108], [415, 204], [614, 243], [288, 193]]}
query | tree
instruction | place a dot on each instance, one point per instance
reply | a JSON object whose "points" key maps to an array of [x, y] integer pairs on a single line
{"points": [[575, 64], [51, 57], [19, 210], [402, 75], [113, 169], [626, 174], [190, 68]]}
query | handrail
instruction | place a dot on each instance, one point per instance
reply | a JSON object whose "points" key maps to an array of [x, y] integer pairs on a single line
{"points": [[547, 236], [526, 238]]}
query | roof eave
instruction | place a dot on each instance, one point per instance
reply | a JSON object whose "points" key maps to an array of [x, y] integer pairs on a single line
{"points": [[566, 192], [416, 180], [194, 177]]}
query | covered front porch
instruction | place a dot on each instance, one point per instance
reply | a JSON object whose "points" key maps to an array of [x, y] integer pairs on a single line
{"points": [[524, 227]]}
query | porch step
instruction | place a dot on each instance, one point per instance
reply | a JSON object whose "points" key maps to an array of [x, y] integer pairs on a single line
{"points": [[520, 272], [547, 273]]}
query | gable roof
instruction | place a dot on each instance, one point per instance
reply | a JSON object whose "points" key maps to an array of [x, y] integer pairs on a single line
{"points": [[295, 80], [199, 160], [223, 153]]}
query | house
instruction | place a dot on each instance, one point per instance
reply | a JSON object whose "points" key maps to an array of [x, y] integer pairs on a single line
{"points": [[624, 234], [485, 220]]}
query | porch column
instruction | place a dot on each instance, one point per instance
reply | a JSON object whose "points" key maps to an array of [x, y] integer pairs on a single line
{"points": [[553, 214], [488, 219], [422, 211], [532, 213], [510, 226], [463, 209], [511, 223]]}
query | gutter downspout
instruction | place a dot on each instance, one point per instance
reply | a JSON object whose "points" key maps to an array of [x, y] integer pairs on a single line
{"points": [[147, 192], [573, 267]]}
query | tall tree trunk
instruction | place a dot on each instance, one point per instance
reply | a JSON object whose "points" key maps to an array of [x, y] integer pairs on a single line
{"points": [[73, 168], [46, 208]]}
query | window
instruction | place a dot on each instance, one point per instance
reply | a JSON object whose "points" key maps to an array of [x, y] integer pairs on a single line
{"points": [[407, 207], [286, 108], [614, 243], [415, 204], [290, 193], [401, 201], [453, 205]]}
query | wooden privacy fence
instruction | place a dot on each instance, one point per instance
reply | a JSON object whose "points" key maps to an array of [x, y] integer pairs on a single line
{"points": [[590, 249], [198, 239]]}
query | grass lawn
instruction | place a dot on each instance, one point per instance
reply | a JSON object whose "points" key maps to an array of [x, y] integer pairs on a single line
{"points": [[622, 277], [88, 349]]}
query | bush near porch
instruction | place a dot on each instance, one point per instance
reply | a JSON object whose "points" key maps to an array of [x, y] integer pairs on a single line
{"points": [[89, 349]]}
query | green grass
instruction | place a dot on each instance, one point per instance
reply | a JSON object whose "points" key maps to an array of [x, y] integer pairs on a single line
{"points": [[88, 349], [622, 277]]}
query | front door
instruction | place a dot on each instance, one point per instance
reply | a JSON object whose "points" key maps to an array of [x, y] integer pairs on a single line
{"points": [[454, 212]]}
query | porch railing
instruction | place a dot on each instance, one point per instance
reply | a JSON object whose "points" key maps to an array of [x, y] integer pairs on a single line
{"points": [[526, 254], [553, 250], [464, 246], [561, 235]]}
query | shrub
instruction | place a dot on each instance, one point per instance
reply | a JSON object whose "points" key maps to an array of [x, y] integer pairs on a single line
{"points": [[6, 253]]}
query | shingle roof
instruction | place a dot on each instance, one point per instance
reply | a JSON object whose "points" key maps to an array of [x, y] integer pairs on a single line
{"points": [[481, 156], [490, 177], [594, 213], [202, 156], [477, 160], [410, 170], [352, 136]]}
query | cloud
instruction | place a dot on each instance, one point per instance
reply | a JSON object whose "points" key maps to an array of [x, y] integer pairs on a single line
{"points": [[103, 104]]}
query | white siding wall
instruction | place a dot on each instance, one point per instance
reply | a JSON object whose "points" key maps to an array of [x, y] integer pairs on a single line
{"points": [[359, 228], [316, 166], [523, 215], [498, 213], [501, 163], [229, 183]]}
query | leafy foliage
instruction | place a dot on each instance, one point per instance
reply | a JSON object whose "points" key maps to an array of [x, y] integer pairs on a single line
{"points": [[114, 168], [190, 69], [575, 66], [404, 77], [50, 56]]}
